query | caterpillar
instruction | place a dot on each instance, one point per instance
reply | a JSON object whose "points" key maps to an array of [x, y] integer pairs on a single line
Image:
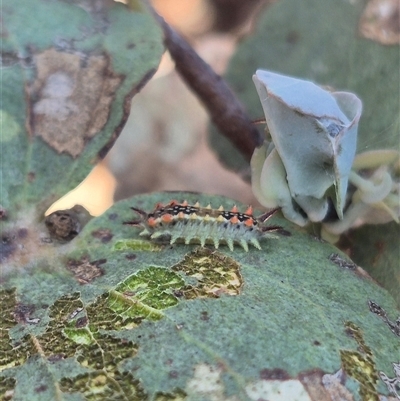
{"points": [[193, 223]]}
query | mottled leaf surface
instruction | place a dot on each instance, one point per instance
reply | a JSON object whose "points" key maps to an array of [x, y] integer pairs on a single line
{"points": [[68, 75], [67, 79], [119, 317]]}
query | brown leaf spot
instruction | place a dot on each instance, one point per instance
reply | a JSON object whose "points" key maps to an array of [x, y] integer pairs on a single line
{"points": [[341, 262], [31, 176], [55, 358], [22, 233], [81, 322], [104, 235], [40, 388], [204, 316], [70, 98], [274, 374], [334, 385], [22, 313], [349, 265], [84, 270], [130, 256], [312, 382], [380, 21], [9, 59], [7, 247]]}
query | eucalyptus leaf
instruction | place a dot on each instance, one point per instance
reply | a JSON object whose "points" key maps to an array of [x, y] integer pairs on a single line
{"points": [[153, 321], [68, 76]]}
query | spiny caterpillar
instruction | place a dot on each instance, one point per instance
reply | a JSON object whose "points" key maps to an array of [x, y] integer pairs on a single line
{"points": [[181, 221]]}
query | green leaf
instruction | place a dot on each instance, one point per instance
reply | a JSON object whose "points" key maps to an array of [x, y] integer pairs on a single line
{"points": [[67, 80], [183, 322]]}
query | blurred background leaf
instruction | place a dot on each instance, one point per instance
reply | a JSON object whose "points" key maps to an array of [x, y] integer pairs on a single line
{"points": [[322, 41]]}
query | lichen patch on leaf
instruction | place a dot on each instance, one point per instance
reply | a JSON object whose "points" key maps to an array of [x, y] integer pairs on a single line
{"points": [[360, 364], [146, 294], [393, 384], [216, 274], [70, 335], [7, 385], [176, 395], [106, 385], [394, 326], [70, 98], [136, 245], [348, 265]]}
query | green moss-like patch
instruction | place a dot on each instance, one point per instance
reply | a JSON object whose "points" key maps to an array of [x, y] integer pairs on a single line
{"points": [[7, 385], [360, 364], [136, 245], [216, 274]]}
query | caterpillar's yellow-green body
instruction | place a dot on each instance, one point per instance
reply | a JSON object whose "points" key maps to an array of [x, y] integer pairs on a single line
{"points": [[193, 223]]}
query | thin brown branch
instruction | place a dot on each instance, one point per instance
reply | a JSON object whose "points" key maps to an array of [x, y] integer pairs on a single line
{"points": [[226, 112]]}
